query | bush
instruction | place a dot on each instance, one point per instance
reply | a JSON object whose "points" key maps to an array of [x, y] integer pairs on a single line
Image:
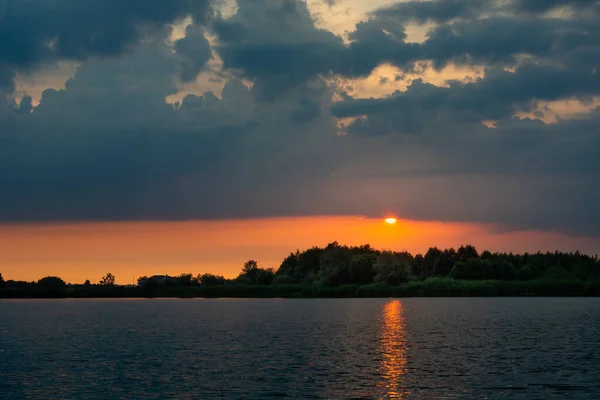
{"points": [[52, 282]]}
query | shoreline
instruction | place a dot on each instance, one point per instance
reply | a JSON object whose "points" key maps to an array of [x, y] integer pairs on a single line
{"points": [[435, 287]]}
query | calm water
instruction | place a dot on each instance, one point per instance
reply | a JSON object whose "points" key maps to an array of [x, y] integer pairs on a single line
{"points": [[532, 348]]}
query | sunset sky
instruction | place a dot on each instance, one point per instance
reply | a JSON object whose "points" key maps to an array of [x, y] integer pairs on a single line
{"points": [[148, 137]]}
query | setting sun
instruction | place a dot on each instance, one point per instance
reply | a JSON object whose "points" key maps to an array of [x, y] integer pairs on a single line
{"points": [[390, 221]]}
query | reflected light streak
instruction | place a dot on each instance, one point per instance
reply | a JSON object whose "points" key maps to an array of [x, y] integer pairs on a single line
{"points": [[393, 351]]}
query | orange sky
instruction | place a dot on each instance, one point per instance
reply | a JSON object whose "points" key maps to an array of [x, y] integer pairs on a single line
{"points": [[80, 251]]}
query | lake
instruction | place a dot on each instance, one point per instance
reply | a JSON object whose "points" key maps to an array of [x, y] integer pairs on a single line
{"points": [[421, 348]]}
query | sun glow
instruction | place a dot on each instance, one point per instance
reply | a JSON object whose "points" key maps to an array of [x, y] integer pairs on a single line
{"points": [[130, 249], [391, 220]]}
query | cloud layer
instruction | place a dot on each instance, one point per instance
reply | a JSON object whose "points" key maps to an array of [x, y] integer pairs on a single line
{"points": [[286, 136]]}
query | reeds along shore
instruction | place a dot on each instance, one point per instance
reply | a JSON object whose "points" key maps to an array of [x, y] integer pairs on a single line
{"points": [[433, 287]]}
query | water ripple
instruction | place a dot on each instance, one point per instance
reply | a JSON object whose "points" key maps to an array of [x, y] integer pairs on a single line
{"points": [[296, 349]]}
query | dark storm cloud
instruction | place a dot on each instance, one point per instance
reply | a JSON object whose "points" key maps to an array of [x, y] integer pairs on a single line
{"points": [[554, 58], [499, 94], [442, 11], [501, 40], [277, 43], [494, 40], [536, 6], [36, 31], [435, 11], [286, 48], [108, 146]]}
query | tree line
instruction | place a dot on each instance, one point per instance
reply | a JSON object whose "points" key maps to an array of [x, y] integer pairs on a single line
{"points": [[54, 282], [337, 265]]}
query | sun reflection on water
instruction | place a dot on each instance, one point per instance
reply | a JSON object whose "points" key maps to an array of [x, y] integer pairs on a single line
{"points": [[393, 351]]}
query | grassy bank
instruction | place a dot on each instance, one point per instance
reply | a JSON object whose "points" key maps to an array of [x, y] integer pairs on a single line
{"points": [[433, 287]]}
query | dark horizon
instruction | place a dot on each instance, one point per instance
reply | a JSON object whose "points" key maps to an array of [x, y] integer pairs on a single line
{"points": [[342, 271]]}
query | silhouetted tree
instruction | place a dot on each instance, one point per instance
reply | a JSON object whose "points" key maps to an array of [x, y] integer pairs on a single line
{"points": [[334, 265], [52, 282], [243, 279], [501, 270], [364, 249], [289, 264], [416, 266], [250, 270], [251, 274], [308, 265], [184, 280], [444, 262], [108, 280], [466, 253], [362, 268], [142, 280], [429, 260], [1, 281], [477, 269], [264, 276], [391, 268], [211, 280], [148, 283], [87, 283], [18, 284]]}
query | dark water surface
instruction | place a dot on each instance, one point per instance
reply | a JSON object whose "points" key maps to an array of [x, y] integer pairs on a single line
{"points": [[529, 348]]}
